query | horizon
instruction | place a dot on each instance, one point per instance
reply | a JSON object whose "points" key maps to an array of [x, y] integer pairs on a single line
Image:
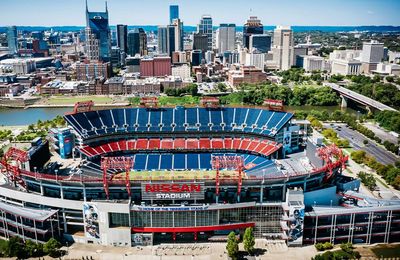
{"points": [[286, 12]]}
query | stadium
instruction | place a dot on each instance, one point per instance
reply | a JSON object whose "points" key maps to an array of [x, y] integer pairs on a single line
{"points": [[147, 175]]}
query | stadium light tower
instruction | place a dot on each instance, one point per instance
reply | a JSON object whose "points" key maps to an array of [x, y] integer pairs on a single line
{"points": [[117, 163]]}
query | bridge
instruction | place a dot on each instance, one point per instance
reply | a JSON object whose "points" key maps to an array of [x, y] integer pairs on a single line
{"points": [[346, 94]]}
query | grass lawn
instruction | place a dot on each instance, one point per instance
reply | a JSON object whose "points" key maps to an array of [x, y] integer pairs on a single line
{"points": [[174, 175], [176, 101], [72, 100], [386, 251]]}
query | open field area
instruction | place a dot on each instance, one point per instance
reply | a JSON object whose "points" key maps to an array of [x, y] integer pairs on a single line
{"points": [[72, 100], [175, 175]]}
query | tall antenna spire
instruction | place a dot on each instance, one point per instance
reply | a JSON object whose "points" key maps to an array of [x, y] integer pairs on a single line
{"points": [[106, 7], [87, 9]]}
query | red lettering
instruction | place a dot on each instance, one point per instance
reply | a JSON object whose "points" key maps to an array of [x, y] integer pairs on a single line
{"points": [[185, 188], [165, 187], [195, 187], [175, 188]]}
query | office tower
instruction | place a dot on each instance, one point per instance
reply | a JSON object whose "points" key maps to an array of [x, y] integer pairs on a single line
{"points": [[98, 36], [372, 53], [170, 39], [173, 13], [252, 26], [137, 42], [206, 27], [197, 57], [12, 39], [122, 37], [177, 23], [162, 39], [260, 42], [200, 42], [225, 37], [283, 50]]}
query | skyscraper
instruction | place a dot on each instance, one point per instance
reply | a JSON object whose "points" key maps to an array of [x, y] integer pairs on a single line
{"points": [[252, 26], [260, 42], [122, 37], [177, 23], [283, 50], [98, 36], [173, 13], [170, 39], [12, 39], [200, 42], [372, 53], [225, 37], [206, 27], [137, 42], [162, 39]]}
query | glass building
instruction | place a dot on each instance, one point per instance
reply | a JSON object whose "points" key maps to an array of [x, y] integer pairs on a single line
{"points": [[137, 42], [12, 38], [252, 26], [173, 13], [260, 42], [97, 23], [206, 27]]}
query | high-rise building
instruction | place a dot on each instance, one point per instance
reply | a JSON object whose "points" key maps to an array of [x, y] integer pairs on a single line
{"points": [[12, 39], [206, 27], [372, 53], [225, 37], [98, 36], [122, 37], [162, 39], [283, 50], [137, 42], [177, 23], [200, 42], [252, 26], [260, 42], [173, 13], [170, 39]]}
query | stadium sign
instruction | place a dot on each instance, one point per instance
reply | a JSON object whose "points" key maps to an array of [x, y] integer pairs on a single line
{"points": [[173, 191]]}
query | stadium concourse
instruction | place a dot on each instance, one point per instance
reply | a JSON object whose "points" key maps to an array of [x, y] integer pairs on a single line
{"points": [[148, 175]]}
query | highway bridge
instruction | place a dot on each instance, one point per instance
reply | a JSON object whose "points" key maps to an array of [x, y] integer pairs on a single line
{"points": [[346, 94]]}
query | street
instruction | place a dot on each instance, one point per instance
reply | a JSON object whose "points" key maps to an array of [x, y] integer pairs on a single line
{"points": [[356, 141]]}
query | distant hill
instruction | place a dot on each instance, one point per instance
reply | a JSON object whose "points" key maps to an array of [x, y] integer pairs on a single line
{"points": [[189, 28]]}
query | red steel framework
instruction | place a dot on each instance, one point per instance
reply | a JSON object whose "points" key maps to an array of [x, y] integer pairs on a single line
{"points": [[82, 106], [149, 102], [117, 163], [331, 154], [234, 162], [20, 156], [209, 102]]}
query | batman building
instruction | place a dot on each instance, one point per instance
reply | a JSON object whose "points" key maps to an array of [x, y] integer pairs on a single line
{"points": [[98, 37]]}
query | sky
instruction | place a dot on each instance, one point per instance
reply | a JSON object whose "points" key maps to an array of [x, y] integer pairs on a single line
{"points": [[156, 12]]}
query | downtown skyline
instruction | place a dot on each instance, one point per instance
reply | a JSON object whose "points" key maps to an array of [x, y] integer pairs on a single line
{"points": [[286, 12]]}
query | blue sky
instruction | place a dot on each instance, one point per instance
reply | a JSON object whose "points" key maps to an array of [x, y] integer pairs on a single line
{"points": [[155, 12]]}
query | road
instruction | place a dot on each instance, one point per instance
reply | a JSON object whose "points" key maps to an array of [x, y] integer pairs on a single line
{"points": [[356, 141]]}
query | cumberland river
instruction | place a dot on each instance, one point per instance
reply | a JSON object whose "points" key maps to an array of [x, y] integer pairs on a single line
{"points": [[19, 116]]}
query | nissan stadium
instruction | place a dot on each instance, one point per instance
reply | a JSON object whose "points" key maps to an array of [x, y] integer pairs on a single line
{"points": [[149, 174]]}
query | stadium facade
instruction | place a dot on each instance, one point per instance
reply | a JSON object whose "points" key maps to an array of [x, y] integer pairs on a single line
{"points": [[140, 176]]}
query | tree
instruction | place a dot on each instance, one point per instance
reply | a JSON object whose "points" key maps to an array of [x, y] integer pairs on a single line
{"points": [[232, 246], [15, 247], [52, 247], [248, 240]]}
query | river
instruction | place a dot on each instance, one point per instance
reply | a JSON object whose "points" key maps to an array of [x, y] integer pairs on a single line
{"points": [[20, 116]]}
